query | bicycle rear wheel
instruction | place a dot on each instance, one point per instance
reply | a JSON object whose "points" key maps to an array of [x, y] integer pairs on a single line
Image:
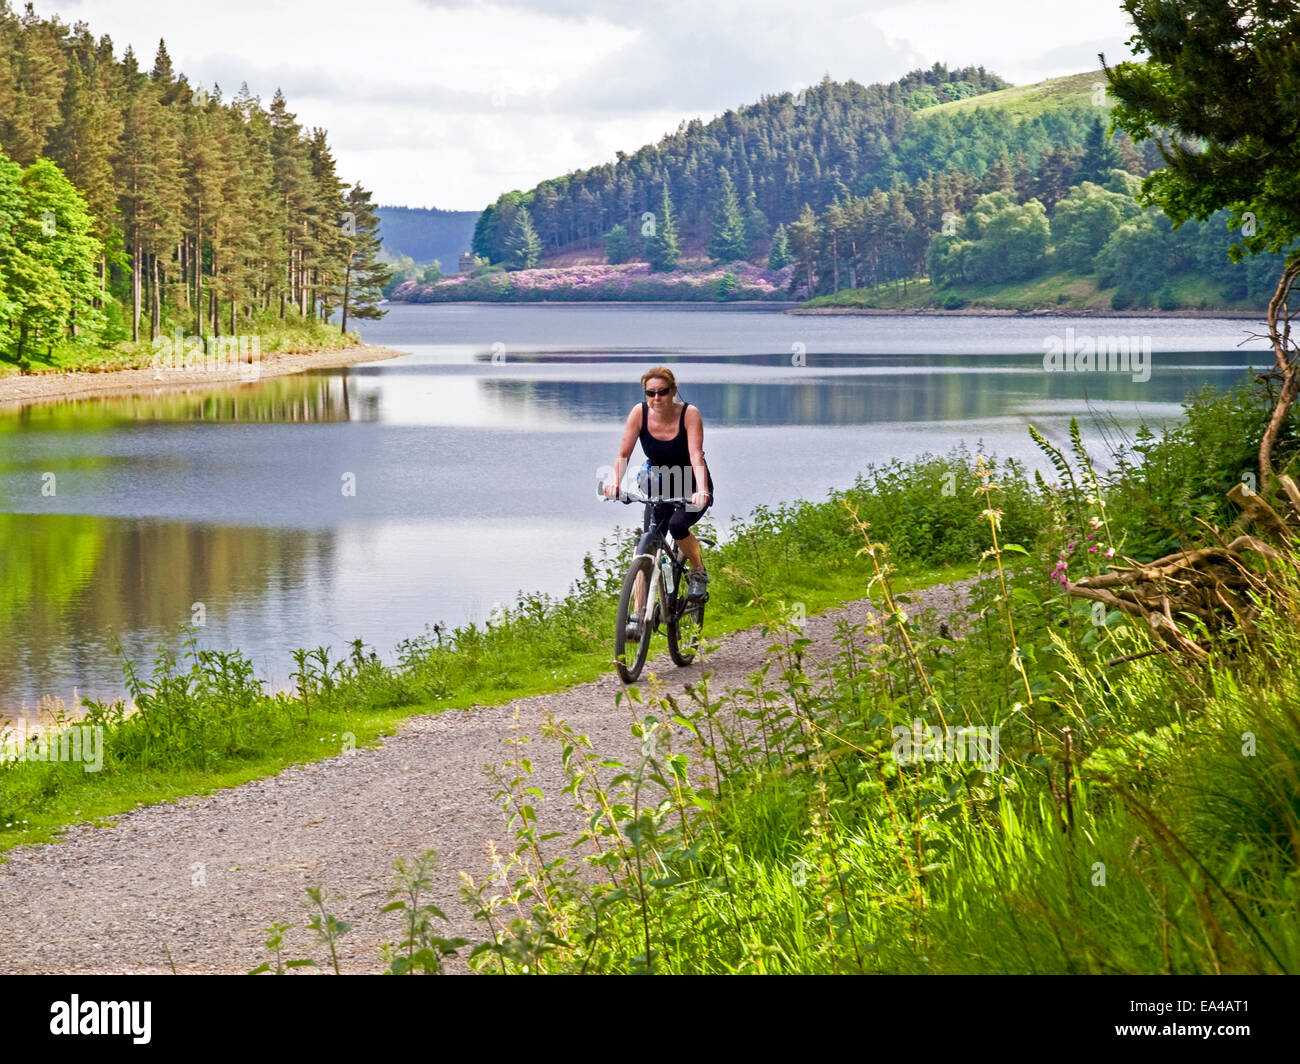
{"points": [[685, 623], [630, 654]]}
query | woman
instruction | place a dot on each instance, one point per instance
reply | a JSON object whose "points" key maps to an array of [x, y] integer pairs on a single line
{"points": [[672, 438]]}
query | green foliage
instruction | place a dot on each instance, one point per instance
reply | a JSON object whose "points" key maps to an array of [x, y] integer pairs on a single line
{"points": [[1241, 154], [778, 256], [662, 249], [1172, 477], [47, 262], [728, 241], [618, 246], [161, 200], [1085, 219], [1000, 239], [365, 276], [523, 246]]}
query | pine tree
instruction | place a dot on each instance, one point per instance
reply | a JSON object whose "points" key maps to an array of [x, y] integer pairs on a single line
{"points": [[523, 245], [364, 276], [1100, 156], [618, 248], [779, 255], [803, 247], [728, 242], [662, 249]]}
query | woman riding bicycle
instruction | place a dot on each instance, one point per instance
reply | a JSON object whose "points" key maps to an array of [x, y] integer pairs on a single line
{"points": [[672, 438]]}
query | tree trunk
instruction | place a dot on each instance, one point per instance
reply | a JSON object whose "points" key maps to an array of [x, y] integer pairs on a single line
{"points": [[135, 287], [1285, 369], [155, 316], [347, 288], [198, 277]]}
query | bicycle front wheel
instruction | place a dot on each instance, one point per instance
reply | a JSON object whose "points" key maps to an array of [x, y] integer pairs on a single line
{"points": [[685, 623], [630, 653]]}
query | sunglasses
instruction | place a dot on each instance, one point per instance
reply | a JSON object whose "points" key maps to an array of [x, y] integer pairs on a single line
{"points": [[654, 394]]}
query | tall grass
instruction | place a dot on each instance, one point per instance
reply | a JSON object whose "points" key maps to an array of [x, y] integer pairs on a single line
{"points": [[1143, 817]]}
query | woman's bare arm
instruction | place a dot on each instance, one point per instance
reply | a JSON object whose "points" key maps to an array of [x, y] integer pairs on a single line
{"points": [[695, 444], [631, 430]]}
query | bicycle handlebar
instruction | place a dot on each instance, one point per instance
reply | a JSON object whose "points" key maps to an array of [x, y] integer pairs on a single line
{"points": [[658, 500]]}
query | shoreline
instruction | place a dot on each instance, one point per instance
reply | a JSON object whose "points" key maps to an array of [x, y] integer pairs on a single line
{"points": [[786, 306], [1012, 312], [709, 304], [28, 390]]}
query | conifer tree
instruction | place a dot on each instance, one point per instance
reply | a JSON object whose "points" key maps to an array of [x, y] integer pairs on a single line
{"points": [[364, 276], [523, 245], [779, 255], [728, 241], [662, 249]]}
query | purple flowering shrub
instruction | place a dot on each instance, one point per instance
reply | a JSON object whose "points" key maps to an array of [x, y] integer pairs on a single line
{"points": [[634, 281]]}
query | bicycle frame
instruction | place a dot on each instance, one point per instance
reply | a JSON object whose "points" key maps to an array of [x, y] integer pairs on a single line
{"points": [[654, 544]]}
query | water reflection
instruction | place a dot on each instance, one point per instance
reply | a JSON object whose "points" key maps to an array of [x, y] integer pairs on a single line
{"points": [[73, 588], [309, 397]]}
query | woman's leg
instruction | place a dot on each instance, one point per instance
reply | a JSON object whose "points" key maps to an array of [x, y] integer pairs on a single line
{"points": [[691, 548], [680, 528]]}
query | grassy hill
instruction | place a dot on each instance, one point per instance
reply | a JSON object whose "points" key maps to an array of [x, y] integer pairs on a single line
{"points": [[1029, 101]]}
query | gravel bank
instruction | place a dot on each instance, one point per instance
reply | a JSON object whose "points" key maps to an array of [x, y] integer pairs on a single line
{"points": [[49, 387]]}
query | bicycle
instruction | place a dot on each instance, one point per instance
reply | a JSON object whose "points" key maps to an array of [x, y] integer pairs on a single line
{"points": [[654, 590]]}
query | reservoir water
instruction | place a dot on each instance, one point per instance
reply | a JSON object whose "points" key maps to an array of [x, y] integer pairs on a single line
{"points": [[372, 501]]}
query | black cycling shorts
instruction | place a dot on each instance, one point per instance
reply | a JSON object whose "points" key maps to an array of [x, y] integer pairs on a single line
{"points": [[679, 525]]}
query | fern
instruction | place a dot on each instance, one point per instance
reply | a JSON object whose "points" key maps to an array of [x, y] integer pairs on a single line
{"points": [[1059, 462]]}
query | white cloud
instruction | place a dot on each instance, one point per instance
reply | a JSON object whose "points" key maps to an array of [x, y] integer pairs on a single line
{"points": [[450, 102]]}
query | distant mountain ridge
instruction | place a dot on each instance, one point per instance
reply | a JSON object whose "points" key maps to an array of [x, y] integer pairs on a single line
{"points": [[424, 234]]}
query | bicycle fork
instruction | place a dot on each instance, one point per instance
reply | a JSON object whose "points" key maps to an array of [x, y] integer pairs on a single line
{"points": [[662, 581]]}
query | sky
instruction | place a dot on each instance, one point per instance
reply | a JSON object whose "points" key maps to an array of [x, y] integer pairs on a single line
{"points": [[449, 103]]}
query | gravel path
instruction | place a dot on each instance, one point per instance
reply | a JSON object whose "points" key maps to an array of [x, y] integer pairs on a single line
{"points": [[202, 877]]}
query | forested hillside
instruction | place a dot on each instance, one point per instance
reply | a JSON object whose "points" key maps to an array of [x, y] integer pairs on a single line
{"points": [[947, 177], [776, 155], [138, 202]]}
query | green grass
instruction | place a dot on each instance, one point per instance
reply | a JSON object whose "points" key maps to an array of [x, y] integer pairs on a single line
{"points": [[1029, 101], [1060, 291], [1143, 816]]}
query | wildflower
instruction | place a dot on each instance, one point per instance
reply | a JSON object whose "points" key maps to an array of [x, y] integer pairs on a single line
{"points": [[1110, 552]]}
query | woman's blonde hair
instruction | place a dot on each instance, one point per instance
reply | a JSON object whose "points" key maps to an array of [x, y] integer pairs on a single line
{"points": [[660, 371]]}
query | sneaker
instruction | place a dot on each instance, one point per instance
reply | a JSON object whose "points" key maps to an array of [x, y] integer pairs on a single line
{"points": [[698, 584], [633, 628]]}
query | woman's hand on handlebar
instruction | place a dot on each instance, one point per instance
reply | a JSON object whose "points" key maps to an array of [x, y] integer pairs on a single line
{"points": [[701, 499], [611, 489]]}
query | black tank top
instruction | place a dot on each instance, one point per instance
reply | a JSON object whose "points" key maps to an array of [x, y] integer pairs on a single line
{"points": [[669, 454]]}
